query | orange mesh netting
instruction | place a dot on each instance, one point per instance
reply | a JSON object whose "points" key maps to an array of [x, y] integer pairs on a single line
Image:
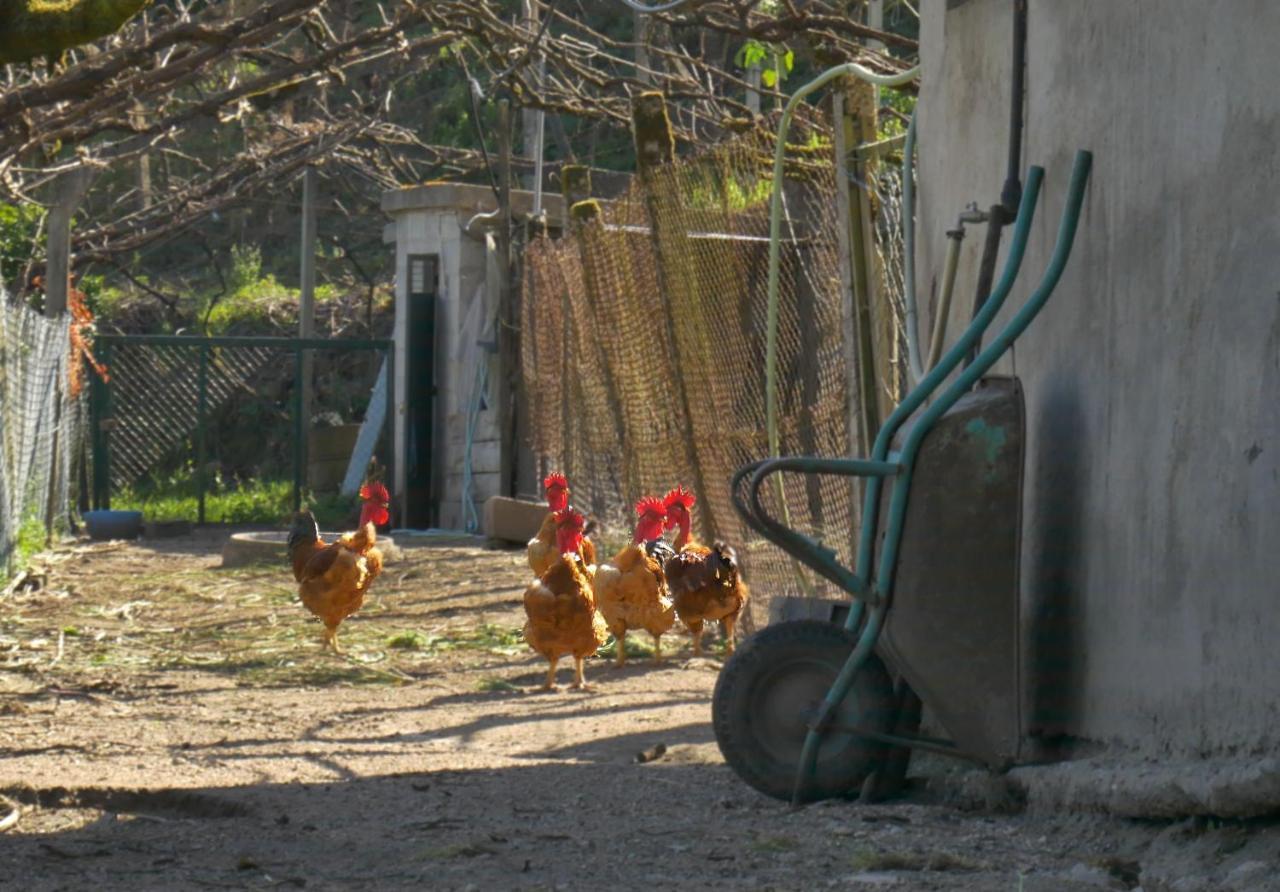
{"points": [[643, 346]]}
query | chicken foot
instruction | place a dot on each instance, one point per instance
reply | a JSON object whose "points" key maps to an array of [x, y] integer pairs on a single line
{"points": [[331, 639], [620, 659], [579, 682], [657, 648], [550, 683]]}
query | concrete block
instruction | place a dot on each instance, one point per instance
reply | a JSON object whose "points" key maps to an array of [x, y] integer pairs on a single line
{"points": [[512, 520]]}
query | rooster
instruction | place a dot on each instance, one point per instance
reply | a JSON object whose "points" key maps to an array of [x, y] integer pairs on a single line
{"points": [[705, 583], [560, 605], [631, 593], [541, 550], [334, 578]]}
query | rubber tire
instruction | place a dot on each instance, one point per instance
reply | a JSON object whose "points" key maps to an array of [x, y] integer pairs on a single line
{"points": [[763, 698]]}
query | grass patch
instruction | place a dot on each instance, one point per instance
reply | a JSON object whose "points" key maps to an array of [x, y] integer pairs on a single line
{"points": [[487, 637], [407, 641], [639, 646], [494, 685], [232, 501]]}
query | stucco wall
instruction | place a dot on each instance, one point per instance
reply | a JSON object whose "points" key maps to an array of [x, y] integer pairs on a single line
{"points": [[1151, 552]]}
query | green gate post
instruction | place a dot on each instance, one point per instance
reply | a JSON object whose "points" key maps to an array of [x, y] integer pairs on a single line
{"points": [[390, 429], [202, 400], [99, 418], [299, 429]]}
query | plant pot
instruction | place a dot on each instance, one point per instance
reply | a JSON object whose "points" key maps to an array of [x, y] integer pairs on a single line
{"points": [[113, 524]]}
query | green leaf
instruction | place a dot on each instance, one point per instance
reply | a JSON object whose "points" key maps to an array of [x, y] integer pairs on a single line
{"points": [[789, 59], [769, 77]]}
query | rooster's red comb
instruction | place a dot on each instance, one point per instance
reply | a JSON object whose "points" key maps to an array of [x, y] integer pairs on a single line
{"points": [[569, 517], [555, 480], [651, 505], [680, 496]]}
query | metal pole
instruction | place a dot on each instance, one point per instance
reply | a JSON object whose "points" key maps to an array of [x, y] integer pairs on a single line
{"points": [[390, 425], [202, 388], [307, 308], [298, 444], [100, 421], [506, 317]]}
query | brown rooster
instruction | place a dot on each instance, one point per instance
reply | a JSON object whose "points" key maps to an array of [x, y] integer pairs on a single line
{"points": [[704, 582], [334, 578], [631, 593], [560, 605], [541, 550]]}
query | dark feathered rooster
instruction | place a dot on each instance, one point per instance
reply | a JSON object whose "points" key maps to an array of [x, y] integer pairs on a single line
{"points": [[704, 582]]}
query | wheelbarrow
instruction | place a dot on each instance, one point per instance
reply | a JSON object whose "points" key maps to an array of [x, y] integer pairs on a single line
{"points": [[807, 709]]}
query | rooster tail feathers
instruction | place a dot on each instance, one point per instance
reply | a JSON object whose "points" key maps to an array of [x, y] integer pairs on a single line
{"points": [[305, 530]]}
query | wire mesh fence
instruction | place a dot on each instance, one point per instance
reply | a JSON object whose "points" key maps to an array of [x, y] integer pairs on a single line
{"points": [[211, 430], [644, 338], [41, 427]]}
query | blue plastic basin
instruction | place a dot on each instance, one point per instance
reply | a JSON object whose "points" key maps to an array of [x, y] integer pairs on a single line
{"points": [[113, 524]]}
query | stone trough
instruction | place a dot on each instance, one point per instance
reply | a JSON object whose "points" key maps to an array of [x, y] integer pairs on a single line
{"points": [[271, 546]]}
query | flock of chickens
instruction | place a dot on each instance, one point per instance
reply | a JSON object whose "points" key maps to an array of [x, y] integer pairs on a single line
{"points": [[575, 603]]}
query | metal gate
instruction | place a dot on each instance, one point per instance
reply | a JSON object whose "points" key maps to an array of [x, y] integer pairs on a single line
{"points": [[191, 417]]}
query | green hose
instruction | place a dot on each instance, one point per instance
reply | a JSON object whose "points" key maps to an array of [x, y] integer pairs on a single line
{"points": [[775, 232]]}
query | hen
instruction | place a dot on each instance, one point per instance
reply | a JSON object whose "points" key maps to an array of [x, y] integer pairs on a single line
{"points": [[704, 582], [631, 593], [333, 578], [541, 550], [560, 605]]}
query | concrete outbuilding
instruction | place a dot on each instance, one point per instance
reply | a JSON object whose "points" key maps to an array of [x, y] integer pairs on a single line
{"points": [[1150, 565]]}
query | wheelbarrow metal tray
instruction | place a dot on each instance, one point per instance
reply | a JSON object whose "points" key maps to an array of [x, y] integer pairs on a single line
{"points": [[953, 628]]}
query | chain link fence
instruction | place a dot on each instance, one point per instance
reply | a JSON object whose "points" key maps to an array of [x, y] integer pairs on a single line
{"points": [[41, 429], [212, 429], [643, 344]]}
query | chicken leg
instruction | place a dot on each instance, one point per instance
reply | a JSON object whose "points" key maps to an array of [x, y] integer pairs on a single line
{"points": [[550, 683], [579, 682], [657, 648], [331, 639], [695, 629], [726, 626], [620, 659]]}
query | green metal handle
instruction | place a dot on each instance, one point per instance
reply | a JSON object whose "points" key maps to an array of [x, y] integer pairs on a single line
{"points": [[984, 362], [954, 356], [897, 508]]}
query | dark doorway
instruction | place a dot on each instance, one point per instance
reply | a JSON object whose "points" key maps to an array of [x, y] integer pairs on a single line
{"points": [[422, 277]]}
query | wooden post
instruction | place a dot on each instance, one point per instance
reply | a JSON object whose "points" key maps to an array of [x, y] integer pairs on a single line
{"points": [[855, 240], [70, 190], [640, 36], [855, 316], [307, 308], [655, 147], [529, 118]]}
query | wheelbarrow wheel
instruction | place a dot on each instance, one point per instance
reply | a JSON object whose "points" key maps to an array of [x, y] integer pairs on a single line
{"points": [[767, 693]]}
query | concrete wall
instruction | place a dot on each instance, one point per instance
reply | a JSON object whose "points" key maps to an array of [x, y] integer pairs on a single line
{"points": [[1151, 553]]}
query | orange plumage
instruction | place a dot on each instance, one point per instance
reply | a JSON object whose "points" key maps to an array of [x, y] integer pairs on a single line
{"points": [[560, 605], [333, 578], [631, 593]]}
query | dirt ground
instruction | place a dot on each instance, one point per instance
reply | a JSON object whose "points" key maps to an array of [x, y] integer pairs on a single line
{"points": [[168, 724]]}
